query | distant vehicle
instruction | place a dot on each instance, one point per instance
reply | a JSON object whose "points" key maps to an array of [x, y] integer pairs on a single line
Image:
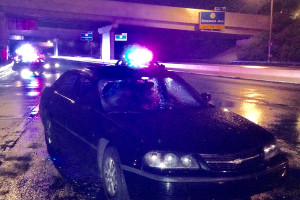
{"points": [[28, 62], [29, 69], [51, 66], [149, 131]]}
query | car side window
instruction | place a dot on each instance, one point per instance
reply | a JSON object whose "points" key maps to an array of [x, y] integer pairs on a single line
{"points": [[129, 95], [66, 84], [178, 95], [86, 94]]}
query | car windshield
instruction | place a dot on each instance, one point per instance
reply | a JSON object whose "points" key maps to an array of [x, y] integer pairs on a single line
{"points": [[145, 94]]}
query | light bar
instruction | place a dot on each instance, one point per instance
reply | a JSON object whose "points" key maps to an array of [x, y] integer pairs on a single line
{"points": [[138, 57], [27, 52]]}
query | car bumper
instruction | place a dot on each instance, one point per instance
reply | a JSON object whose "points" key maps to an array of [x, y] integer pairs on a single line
{"points": [[165, 187]]}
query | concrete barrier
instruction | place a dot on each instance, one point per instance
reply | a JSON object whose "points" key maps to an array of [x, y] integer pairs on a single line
{"points": [[240, 69], [251, 72]]}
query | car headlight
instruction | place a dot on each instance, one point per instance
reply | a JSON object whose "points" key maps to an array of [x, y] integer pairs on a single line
{"points": [[271, 150], [47, 66], [26, 73], [168, 160], [56, 65]]}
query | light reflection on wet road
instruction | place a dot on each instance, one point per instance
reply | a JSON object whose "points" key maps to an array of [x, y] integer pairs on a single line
{"points": [[27, 173]]}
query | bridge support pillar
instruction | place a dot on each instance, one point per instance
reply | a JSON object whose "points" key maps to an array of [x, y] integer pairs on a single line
{"points": [[3, 38], [108, 41], [55, 45]]}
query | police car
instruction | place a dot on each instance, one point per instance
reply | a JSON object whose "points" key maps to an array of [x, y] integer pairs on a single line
{"points": [[150, 133], [28, 62]]}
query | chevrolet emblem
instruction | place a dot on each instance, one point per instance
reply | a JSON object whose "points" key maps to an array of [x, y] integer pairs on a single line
{"points": [[237, 161]]}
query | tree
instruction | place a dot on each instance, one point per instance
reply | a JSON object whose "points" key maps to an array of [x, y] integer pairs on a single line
{"points": [[285, 36], [287, 42]]}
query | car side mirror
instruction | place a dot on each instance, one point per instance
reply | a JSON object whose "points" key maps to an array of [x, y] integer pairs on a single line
{"points": [[206, 97]]}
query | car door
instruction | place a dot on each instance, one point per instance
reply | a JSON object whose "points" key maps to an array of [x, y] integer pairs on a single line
{"points": [[61, 111], [85, 119], [63, 98]]}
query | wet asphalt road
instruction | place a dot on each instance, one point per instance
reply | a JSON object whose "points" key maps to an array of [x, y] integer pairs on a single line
{"points": [[26, 171]]}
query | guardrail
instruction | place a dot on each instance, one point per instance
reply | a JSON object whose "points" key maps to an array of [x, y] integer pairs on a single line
{"points": [[6, 70], [252, 71], [235, 62], [84, 59]]}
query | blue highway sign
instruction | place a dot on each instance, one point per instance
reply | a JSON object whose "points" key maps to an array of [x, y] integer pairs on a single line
{"points": [[87, 36], [122, 37], [212, 20]]}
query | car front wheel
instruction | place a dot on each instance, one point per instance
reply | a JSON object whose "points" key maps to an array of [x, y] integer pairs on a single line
{"points": [[112, 176]]}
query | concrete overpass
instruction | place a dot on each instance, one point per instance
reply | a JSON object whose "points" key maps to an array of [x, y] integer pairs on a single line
{"points": [[62, 18]]}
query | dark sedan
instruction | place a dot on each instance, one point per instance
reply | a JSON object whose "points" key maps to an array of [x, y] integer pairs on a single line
{"points": [[150, 132]]}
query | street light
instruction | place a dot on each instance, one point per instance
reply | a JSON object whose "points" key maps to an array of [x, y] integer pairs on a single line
{"points": [[270, 35]]}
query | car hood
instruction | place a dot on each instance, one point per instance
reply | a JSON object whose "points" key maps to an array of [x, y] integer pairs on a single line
{"points": [[188, 130]]}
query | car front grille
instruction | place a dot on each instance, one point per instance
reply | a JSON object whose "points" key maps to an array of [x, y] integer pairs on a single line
{"points": [[233, 162]]}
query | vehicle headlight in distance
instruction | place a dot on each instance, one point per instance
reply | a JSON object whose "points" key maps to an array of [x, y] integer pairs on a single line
{"points": [[56, 65], [26, 73], [167, 160], [271, 150], [47, 66]]}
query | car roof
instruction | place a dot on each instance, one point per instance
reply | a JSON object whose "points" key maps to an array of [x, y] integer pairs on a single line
{"points": [[121, 72]]}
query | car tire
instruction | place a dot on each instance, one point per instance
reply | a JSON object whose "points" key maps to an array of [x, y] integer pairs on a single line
{"points": [[49, 138], [112, 177]]}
